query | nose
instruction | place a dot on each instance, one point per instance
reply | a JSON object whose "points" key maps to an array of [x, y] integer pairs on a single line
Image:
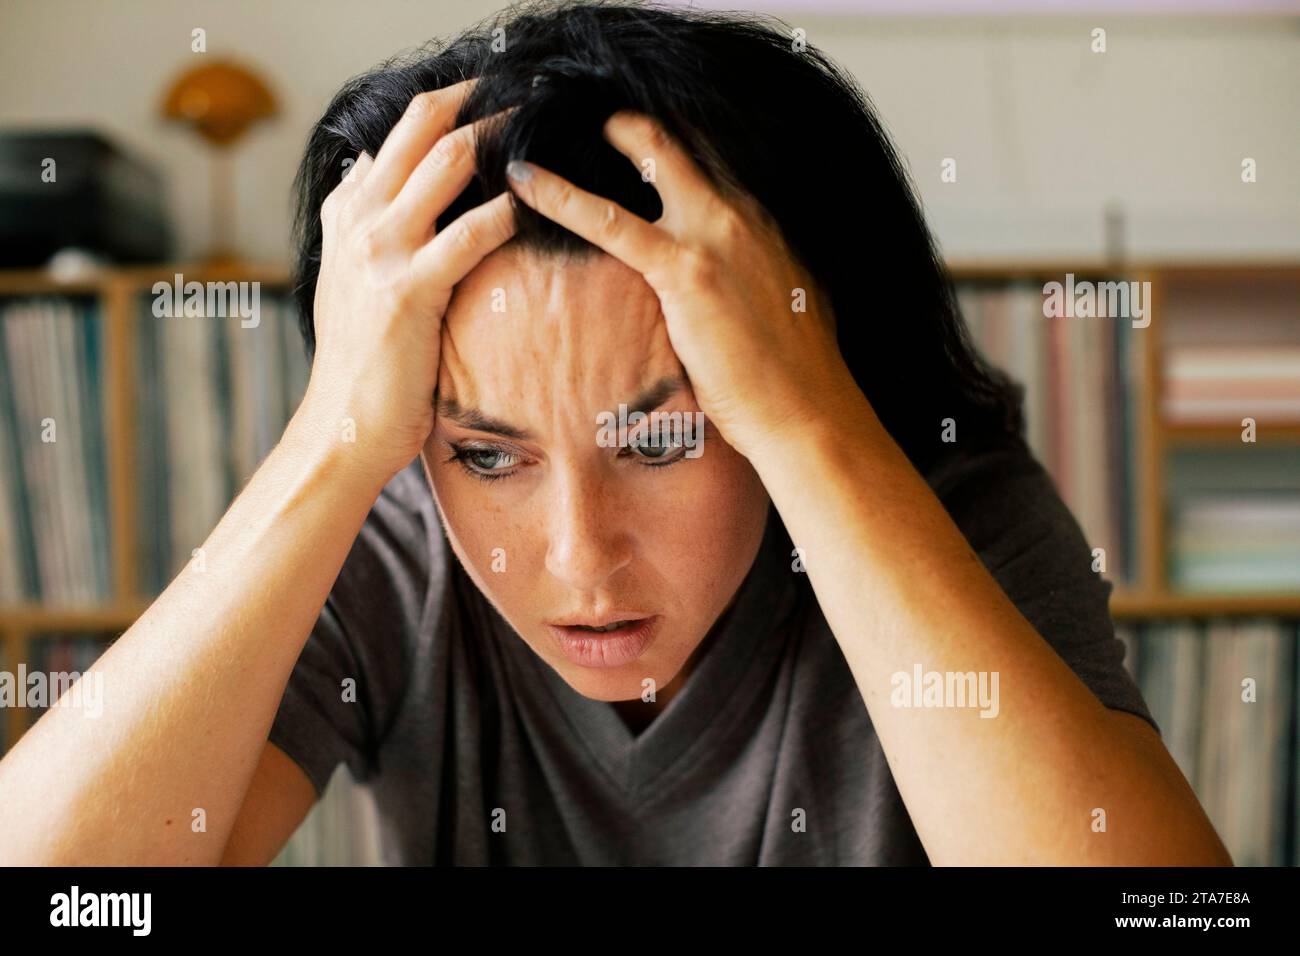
{"points": [[589, 534]]}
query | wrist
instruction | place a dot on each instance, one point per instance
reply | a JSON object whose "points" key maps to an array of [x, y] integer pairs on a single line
{"points": [[325, 442], [831, 418]]}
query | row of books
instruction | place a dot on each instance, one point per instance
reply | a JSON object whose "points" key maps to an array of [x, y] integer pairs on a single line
{"points": [[1234, 519], [1228, 382], [54, 533], [213, 400], [1226, 696], [212, 397], [1079, 376], [1236, 544], [1230, 350]]}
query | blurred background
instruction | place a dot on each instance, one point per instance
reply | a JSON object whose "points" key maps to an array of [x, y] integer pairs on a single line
{"points": [[1141, 142]]}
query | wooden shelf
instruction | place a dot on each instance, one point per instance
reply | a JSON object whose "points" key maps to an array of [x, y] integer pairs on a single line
{"points": [[1229, 433], [38, 281], [35, 282], [34, 618], [993, 271], [1280, 270], [1129, 605], [1027, 268], [270, 273]]}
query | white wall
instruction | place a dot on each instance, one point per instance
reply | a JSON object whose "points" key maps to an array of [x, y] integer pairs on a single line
{"points": [[1046, 134]]}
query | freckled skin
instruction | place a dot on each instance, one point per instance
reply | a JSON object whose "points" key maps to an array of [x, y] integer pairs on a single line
{"points": [[584, 527]]}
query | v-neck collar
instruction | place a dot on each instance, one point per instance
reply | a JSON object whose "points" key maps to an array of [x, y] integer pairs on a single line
{"points": [[722, 685]]}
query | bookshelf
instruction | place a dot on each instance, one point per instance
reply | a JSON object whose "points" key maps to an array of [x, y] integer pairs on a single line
{"points": [[117, 292], [1147, 596], [116, 296], [1207, 596], [1150, 595]]}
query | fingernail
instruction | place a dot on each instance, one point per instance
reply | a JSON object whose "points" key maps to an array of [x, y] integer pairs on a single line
{"points": [[519, 171]]}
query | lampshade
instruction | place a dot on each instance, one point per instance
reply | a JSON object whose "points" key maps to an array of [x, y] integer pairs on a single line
{"points": [[220, 99]]}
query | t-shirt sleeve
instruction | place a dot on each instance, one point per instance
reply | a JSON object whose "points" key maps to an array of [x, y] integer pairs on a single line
{"points": [[350, 676], [1009, 509]]}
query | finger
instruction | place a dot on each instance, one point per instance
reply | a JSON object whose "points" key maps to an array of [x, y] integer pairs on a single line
{"points": [[450, 255], [358, 168], [427, 118], [602, 222], [440, 177], [686, 193], [353, 176]]}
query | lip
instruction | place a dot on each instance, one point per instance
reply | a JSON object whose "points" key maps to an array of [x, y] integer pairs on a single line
{"points": [[610, 649], [600, 620]]}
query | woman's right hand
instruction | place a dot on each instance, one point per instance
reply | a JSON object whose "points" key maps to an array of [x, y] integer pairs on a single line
{"points": [[386, 278]]}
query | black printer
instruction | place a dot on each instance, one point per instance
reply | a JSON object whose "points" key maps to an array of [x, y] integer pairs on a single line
{"points": [[76, 190]]}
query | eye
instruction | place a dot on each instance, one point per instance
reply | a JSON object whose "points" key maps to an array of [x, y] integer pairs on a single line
{"points": [[483, 461], [657, 454]]}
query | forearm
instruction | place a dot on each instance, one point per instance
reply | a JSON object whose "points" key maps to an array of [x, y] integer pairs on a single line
{"points": [[900, 587], [191, 689]]}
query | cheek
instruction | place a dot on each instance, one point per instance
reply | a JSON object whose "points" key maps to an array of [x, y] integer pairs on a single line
{"points": [[489, 538], [706, 528]]}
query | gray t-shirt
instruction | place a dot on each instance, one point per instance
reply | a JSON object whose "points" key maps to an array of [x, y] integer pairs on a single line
{"points": [[478, 752]]}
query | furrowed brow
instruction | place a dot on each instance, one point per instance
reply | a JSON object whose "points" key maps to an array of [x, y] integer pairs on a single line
{"points": [[476, 420], [656, 394]]}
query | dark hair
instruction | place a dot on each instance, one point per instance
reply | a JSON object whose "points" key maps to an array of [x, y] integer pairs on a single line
{"points": [[759, 111]]}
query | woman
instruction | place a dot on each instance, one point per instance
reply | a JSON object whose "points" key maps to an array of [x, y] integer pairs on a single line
{"points": [[849, 621]]}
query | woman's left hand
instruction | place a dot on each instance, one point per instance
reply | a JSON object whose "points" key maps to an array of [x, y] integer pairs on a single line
{"points": [[753, 331]]}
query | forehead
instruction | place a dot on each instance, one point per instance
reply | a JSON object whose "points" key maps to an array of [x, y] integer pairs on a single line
{"points": [[522, 321]]}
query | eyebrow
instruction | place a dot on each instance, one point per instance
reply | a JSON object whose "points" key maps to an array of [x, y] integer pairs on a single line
{"points": [[476, 420], [658, 393]]}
